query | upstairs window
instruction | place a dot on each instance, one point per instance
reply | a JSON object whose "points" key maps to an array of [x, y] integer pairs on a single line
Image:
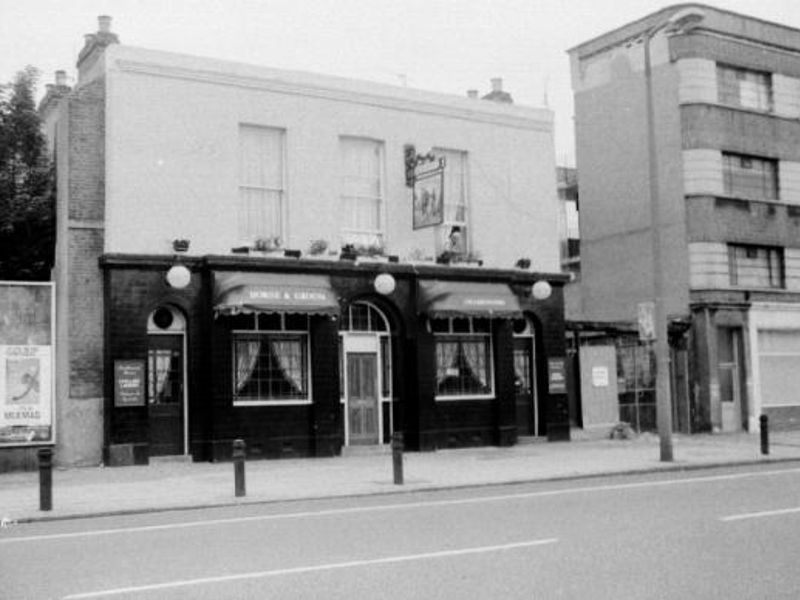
{"points": [[362, 192], [749, 177], [755, 266], [261, 193], [744, 88], [453, 231]]}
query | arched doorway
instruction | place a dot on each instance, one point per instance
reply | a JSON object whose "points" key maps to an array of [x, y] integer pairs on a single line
{"points": [[527, 408], [365, 367], [166, 382]]}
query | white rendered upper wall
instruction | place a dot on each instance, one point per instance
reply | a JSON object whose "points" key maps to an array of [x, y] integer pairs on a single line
{"points": [[172, 126]]}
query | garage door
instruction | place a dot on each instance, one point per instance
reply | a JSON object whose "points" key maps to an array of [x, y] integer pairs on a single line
{"points": [[779, 365]]}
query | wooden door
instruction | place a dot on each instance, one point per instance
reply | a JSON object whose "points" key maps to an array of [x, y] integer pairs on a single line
{"points": [[362, 397], [524, 386], [165, 393]]}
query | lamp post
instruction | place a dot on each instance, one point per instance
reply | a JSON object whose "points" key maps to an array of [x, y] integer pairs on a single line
{"points": [[677, 22]]}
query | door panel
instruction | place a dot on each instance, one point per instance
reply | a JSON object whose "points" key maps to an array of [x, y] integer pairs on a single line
{"points": [[362, 397], [165, 394], [728, 374], [524, 386]]}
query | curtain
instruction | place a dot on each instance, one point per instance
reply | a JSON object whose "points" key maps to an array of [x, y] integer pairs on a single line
{"points": [[446, 358], [246, 357], [474, 357], [287, 357]]}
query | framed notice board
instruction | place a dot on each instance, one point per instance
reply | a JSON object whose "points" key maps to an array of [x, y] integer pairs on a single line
{"points": [[129, 380]]}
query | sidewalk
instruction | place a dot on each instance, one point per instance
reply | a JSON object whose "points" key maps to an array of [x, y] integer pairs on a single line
{"points": [[167, 485]]}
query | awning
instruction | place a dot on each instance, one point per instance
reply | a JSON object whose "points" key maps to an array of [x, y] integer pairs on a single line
{"points": [[464, 298], [239, 292]]}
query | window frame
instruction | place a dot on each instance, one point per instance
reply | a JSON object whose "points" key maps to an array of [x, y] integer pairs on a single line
{"points": [[351, 235], [774, 272], [473, 333], [730, 96], [729, 174], [450, 208], [265, 229], [304, 336]]}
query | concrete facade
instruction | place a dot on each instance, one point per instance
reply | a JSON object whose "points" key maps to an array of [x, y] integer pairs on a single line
{"points": [[725, 106]]}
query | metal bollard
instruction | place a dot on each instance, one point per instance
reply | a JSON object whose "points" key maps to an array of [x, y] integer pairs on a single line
{"points": [[45, 456], [238, 467], [763, 422], [397, 457]]}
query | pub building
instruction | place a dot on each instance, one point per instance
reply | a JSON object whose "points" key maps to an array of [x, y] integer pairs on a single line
{"points": [[306, 263]]}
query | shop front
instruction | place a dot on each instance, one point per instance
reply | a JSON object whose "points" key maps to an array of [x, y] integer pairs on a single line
{"points": [[307, 357]]}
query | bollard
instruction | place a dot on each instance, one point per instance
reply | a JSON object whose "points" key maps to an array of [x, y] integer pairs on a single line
{"points": [[764, 423], [45, 478], [238, 467], [397, 457]]}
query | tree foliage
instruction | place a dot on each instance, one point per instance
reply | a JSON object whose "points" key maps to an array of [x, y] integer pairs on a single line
{"points": [[27, 189]]}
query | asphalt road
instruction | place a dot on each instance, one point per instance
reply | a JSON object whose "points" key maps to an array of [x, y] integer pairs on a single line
{"points": [[730, 533]]}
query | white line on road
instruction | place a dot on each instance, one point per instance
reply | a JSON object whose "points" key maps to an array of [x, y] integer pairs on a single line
{"points": [[397, 506], [763, 513], [309, 569]]}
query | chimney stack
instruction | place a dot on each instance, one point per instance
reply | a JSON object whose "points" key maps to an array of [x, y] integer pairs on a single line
{"points": [[472, 94], [497, 94], [61, 78], [104, 24]]}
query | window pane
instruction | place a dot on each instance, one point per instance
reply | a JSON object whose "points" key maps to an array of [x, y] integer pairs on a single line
{"points": [[260, 182], [744, 88], [750, 177], [463, 366], [270, 367], [386, 362], [361, 192], [756, 267]]}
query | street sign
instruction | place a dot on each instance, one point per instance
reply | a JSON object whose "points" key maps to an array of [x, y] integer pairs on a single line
{"points": [[646, 321]]}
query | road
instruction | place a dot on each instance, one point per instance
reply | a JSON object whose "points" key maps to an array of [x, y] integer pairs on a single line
{"points": [[728, 533]]}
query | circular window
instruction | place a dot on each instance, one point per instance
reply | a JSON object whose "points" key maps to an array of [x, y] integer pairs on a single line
{"points": [[163, 318]]}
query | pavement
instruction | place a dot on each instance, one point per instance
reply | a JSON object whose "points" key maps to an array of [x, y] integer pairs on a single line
{"points": [[170, 485]]}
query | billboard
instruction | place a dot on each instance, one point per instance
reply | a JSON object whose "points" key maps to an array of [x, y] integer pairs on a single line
{"points": [[26, 363]]}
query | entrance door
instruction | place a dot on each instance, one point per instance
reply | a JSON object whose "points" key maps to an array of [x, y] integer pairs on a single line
{"points": [[362, 397], [165, 394], [524, 386], [729, 373]]}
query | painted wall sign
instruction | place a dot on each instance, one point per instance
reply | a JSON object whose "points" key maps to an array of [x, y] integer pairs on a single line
{"points": [[129, 378], [26, 364], [557, 375]]}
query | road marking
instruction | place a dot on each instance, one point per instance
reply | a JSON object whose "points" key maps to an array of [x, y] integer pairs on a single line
{"points": [[310, 569], [397, 506], [758, 515]]}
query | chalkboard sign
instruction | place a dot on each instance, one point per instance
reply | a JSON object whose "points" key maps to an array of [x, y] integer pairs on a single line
{"points": [[557, 375], [128, 383]]}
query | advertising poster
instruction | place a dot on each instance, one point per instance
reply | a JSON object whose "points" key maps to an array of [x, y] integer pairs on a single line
{"points": [[26, 363]]}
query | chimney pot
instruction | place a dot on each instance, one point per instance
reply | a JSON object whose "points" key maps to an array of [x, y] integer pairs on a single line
{"points": [[497, 84], [472, 94], [104, 23], [61, 78]]}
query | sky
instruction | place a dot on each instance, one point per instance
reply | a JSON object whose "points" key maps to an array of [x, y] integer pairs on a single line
{"points": [[445, 46]]}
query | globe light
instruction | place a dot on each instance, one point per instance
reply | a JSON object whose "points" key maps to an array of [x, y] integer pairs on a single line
{"points": [[178, 277], [542, 290], [384, 284]]}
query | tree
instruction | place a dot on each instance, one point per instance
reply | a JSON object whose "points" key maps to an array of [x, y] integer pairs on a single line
{"points": [[27, 185]]}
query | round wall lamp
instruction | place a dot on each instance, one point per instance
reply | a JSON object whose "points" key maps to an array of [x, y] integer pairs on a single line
{"points": [[178, 277], [542, 290], [384, 283]]}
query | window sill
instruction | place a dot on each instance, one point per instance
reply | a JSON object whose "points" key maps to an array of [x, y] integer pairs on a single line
{"points": [[246, 403]]}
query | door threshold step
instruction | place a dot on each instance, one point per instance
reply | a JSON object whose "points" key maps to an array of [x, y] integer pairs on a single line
{"points": [[171, 459], [375, 450]]}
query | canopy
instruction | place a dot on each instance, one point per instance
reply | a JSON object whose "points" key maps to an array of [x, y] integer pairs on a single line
{"points": [[465, 298], [240, 292]]}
